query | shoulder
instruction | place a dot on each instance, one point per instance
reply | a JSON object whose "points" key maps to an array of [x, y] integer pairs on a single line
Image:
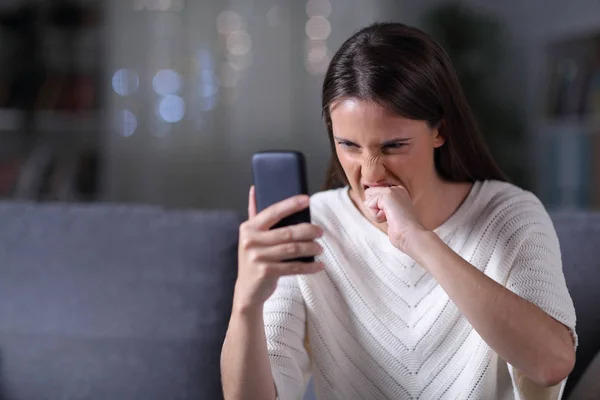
{"points": [[324, 197], [328, 208], [325, 201], [504, 207]]}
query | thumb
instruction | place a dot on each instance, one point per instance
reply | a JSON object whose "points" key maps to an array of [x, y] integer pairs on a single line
{"points": [[252, 202]]}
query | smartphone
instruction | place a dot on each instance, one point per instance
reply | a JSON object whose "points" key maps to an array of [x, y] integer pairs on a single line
{"points": [[277, 176]]}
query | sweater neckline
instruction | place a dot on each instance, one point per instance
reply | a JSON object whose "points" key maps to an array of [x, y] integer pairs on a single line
{"points": [[443, 230]]}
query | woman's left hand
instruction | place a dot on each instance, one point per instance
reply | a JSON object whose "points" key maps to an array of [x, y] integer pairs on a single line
{"points": [[394, 206]]}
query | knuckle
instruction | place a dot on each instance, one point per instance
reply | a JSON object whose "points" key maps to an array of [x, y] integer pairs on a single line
{"points": [[295, 268], [292, 248], [264, 270], [287, 234], [244, 227], [246, 242], [253, 256]]}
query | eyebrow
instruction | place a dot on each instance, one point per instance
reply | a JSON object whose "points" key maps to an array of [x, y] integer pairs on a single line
{"points": [[386, 143]]}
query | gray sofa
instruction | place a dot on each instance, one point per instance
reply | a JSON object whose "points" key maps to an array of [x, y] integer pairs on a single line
{"points": [[122, 302]]}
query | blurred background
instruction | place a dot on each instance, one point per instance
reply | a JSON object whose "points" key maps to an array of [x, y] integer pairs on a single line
{"points": [[164, 101]]}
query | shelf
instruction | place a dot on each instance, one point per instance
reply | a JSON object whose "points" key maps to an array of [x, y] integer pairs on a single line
{"points": [[65, 122], [51, 121], [585, 125]]}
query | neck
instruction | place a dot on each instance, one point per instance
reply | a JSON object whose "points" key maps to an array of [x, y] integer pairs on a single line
{"points": [[429, 202], [439, 201]]}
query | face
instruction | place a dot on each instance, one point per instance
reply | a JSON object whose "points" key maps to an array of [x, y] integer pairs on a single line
{"points": [[379, 148]]}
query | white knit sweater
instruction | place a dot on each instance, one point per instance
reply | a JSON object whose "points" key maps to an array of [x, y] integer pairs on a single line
{"points": [[378, 326]]}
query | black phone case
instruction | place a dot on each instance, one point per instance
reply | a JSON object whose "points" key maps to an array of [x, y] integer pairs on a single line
{"points": [[277, 176]]}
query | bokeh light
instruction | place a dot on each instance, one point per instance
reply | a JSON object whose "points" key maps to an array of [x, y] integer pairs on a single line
{"points": [[208, 81], [166, 82], [318, 28], [207, 103], [228, 21], [315, 65], [171, 108], [208, 88], [316, 50], [315, 8], [126, 123], [125, 82], [240, 62], [239, 43]]}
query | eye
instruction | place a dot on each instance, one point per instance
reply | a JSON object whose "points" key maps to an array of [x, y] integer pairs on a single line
{"points": [[344, 143], [393, 146]]}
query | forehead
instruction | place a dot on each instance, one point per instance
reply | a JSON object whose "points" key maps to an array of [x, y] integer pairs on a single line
{"points": [[352, 118]]}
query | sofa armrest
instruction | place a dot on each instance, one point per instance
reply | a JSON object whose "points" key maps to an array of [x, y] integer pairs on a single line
{"points": [[588, 387]]}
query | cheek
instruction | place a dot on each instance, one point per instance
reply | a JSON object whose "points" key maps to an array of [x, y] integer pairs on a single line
{"points": [[350, 163], [346, 159], [409, 164]]}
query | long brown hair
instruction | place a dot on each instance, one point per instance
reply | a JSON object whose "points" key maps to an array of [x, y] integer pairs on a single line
{"points": [[405, 70]]}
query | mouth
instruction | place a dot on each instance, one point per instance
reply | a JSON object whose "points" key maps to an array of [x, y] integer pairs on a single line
{"points": [[365, 187]]}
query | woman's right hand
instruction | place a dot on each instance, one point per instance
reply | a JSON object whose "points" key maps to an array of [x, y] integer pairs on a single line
{"points": [[262, 250]]}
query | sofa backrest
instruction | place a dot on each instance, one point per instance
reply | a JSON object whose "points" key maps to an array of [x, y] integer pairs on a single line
{"points": [[113, 302], [579, 235], [123, 302]]}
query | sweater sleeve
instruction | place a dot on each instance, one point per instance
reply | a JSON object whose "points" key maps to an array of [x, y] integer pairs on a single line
{"points": [[537, 276], [285, 328]]}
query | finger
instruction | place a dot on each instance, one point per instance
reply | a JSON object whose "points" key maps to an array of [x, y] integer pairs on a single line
{"points": [[374, 191], [380, 217], [289, 251], [371, 202], [371, 212], [297, 268], [293, 233], [252, 202], [276, 212]]}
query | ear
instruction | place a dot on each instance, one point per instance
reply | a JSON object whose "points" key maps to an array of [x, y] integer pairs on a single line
{"points": [[438, 137]]}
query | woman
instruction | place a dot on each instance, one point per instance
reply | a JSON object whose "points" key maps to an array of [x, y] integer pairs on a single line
{"points": [[434, 277]]}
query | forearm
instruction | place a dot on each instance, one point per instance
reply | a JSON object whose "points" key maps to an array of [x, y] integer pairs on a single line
{"points": [[245, 367], [520, 332]]}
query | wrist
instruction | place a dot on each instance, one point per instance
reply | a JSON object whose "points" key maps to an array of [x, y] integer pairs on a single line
{"points": [[421, 244], [246, 319], [246, 309]]}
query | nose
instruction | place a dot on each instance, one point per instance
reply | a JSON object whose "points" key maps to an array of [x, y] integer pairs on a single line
{"points": [[373, 170]]}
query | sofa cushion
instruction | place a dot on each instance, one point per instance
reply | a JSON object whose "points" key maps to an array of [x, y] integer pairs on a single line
{"points": [[113, 302], [579, 235]]}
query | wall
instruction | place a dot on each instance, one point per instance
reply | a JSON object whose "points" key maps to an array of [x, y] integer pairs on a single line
{"points": [[529, 27], [203, 161], [534, 24]]}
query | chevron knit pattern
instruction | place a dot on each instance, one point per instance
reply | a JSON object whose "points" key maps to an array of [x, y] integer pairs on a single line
{"points": [[375, 325]]}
